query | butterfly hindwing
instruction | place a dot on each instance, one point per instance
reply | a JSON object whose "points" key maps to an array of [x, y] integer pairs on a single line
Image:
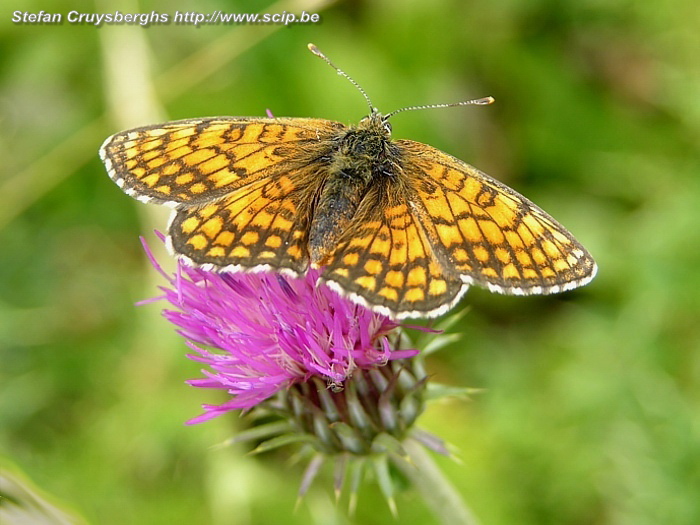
{"points": [[386, 260], [262, 225], [493, 236]]}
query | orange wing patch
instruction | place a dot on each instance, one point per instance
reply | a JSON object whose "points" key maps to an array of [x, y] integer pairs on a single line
{"points": [[492, 235]]}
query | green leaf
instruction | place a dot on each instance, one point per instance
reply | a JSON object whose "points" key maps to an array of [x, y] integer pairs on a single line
{"points": [[258, 432], [280, 441]]}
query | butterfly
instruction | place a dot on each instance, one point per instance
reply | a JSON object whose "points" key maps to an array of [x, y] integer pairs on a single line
{"points": [[396, 225]]}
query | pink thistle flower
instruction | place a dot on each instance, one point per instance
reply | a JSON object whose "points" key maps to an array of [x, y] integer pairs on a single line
{"points": [[261, 333], [277, 343]]}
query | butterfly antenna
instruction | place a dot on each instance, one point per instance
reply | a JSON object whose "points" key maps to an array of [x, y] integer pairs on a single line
{"points": [[476, 102], [316, 51]]}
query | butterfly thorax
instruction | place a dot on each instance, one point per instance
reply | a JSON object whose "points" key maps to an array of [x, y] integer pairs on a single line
{"points": [[360, 157]]}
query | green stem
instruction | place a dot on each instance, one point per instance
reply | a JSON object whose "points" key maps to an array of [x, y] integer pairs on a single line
{"points": [[437, 491]]}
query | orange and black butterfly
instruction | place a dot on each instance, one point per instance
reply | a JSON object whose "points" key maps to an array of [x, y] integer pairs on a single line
{"points": [[394, 224]]}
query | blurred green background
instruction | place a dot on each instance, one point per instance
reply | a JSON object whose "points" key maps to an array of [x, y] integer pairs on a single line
{"points": [[591, 408]]}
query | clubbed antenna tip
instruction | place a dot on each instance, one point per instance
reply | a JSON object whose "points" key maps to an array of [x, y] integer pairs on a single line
{"points": [[476, 102], [316, 51]]}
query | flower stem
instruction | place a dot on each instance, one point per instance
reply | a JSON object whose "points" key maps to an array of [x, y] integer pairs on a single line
{"points": [[437, 491]]}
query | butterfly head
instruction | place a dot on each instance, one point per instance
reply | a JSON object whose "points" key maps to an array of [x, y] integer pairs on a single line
{"points": [[377, 123]]}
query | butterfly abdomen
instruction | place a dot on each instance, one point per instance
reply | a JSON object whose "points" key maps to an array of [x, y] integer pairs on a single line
{"points": [[333, 213]]}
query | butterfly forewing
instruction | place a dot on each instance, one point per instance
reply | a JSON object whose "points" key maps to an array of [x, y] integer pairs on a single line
{"points": [[197, 160]]}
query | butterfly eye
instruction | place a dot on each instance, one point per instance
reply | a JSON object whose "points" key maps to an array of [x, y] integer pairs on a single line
{"points": [[387, 126]]}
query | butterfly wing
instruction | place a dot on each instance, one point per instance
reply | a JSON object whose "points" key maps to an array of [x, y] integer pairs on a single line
{"points": [[242, 188], [260, 226], [493, 236], [194, 161], [385, 259]]}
